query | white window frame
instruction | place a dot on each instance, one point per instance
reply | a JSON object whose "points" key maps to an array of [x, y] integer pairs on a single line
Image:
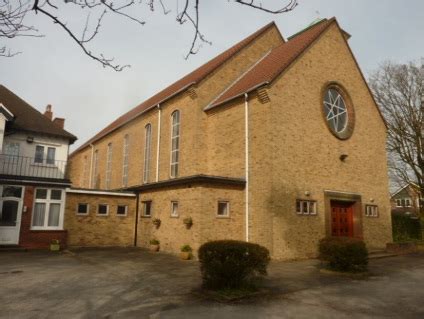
{"points": [[45, 159], [311, 207], [227, 203], [371, 210], [126, 210], [107, 209], [147, 152], [49, 201], [398, 202], [408, 202], [143, 207], [83, 214], [125, 160], [174, 202], [174, 165], [108, 165]]}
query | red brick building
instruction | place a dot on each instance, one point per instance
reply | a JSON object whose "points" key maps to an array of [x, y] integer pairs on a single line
{"points": [[33, 160]]}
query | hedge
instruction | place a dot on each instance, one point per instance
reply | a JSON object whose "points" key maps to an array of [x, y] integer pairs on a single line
{"points": [[344, 253], [405, 228], [231, 263]]}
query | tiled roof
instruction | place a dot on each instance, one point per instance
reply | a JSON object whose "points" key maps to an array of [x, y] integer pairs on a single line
{"points": [[27, 118], [177, 87], [273, 63]]}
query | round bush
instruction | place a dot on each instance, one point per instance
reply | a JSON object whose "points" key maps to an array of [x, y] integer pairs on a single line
{"points": [[344, 253], [231, 263]]}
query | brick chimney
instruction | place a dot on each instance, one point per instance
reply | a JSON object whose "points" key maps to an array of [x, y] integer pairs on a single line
{"points": [[59, 121], [48, 113]]}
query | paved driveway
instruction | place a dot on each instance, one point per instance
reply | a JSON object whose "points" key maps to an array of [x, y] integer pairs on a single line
{"points": [[132, 283]]}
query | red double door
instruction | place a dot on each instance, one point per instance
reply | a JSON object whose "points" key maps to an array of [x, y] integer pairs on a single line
{"points": [[341, 219]]}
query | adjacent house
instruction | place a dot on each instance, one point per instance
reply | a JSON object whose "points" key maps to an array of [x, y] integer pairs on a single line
{"points": [[406, 200], [276, 141], [33, 163]]}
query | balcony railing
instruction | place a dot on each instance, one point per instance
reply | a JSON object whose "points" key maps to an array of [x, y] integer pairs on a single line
{"points": [[30, 167]]}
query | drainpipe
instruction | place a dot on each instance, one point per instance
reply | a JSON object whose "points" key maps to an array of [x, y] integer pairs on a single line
{"points": [[246, 138], [91, 167], [158, 144]]}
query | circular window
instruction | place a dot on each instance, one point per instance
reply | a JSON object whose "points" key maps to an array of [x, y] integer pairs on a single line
{"points": [[337, 113]]}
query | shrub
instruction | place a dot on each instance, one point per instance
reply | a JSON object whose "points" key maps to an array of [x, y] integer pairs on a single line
{"points": [[186, 249], [405, 228], [231, 263], [344, 253], [154, 242]]}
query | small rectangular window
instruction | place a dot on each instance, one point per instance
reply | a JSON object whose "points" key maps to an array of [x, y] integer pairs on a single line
{"points": [[174, 209], [39, 154], [103, 209], [41, 193], [223, 209], [398, 203], [306, 207], [51, 155], [82, 209], [122, 210], [56, 194], [407, 202], [147, 208], [371, 210]]}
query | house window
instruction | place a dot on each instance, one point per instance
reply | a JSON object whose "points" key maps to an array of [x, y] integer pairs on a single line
{"points": [[108, 165], [48, 209], [371, 210], [11, 149], [175, 143], [82, 209], [94, 182], [174, 209], [306, 207], [398, 203], [51, 155], [103, 209], [147, 150], [125, 161], [122, 210], [407, 202], [147, 208], [223, 209], [39, 154]]}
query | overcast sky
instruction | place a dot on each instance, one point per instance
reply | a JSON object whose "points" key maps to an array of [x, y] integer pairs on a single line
{"points": [[54, 70]]}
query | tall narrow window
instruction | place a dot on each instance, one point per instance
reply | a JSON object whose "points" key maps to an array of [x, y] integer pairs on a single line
{"points": [[84, 177], [147, 147], [175, 143], [108, 165], [94, 183], [125, 161]]}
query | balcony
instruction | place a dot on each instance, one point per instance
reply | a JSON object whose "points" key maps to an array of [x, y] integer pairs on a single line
{"points": [[21, 167]]}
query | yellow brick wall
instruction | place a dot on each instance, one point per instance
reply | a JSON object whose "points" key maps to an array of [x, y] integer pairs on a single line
{"points": [[97, 231], [199, 203]]}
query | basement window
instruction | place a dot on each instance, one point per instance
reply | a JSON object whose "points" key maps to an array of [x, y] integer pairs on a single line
{"points": [[82, 209], [122, 210], [371, 210], [306, 207], [223, 209], [147, 208], [103, 210]]}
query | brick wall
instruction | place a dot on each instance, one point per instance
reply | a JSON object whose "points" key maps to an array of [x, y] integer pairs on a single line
{"points": [[93, 230]]}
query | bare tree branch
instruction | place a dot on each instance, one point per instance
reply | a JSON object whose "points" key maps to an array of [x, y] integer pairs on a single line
{"points": [[286, 8]]}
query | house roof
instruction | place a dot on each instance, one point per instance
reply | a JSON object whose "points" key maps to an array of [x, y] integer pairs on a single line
{"points": [[273, 63], [27, 118], [190, 79], [411, 184]]}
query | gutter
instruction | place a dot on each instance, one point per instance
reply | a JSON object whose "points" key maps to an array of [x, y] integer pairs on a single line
{"points": [[91, 166], [158, 143]]}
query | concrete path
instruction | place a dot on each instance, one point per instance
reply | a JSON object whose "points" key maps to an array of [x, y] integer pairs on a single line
{"points": [[132, 283]]}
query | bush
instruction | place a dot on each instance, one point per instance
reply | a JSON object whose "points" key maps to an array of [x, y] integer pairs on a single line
{"points": [[344, 253], [186, 249], [231, 263], [405, 228], [154, 242]]}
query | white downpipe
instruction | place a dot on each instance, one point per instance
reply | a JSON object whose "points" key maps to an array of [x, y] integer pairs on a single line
{"points": [[91, 167], [246, 138], [158, 144]]}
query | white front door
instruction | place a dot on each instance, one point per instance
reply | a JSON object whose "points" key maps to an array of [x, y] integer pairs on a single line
{"points": [[11, 198]]}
